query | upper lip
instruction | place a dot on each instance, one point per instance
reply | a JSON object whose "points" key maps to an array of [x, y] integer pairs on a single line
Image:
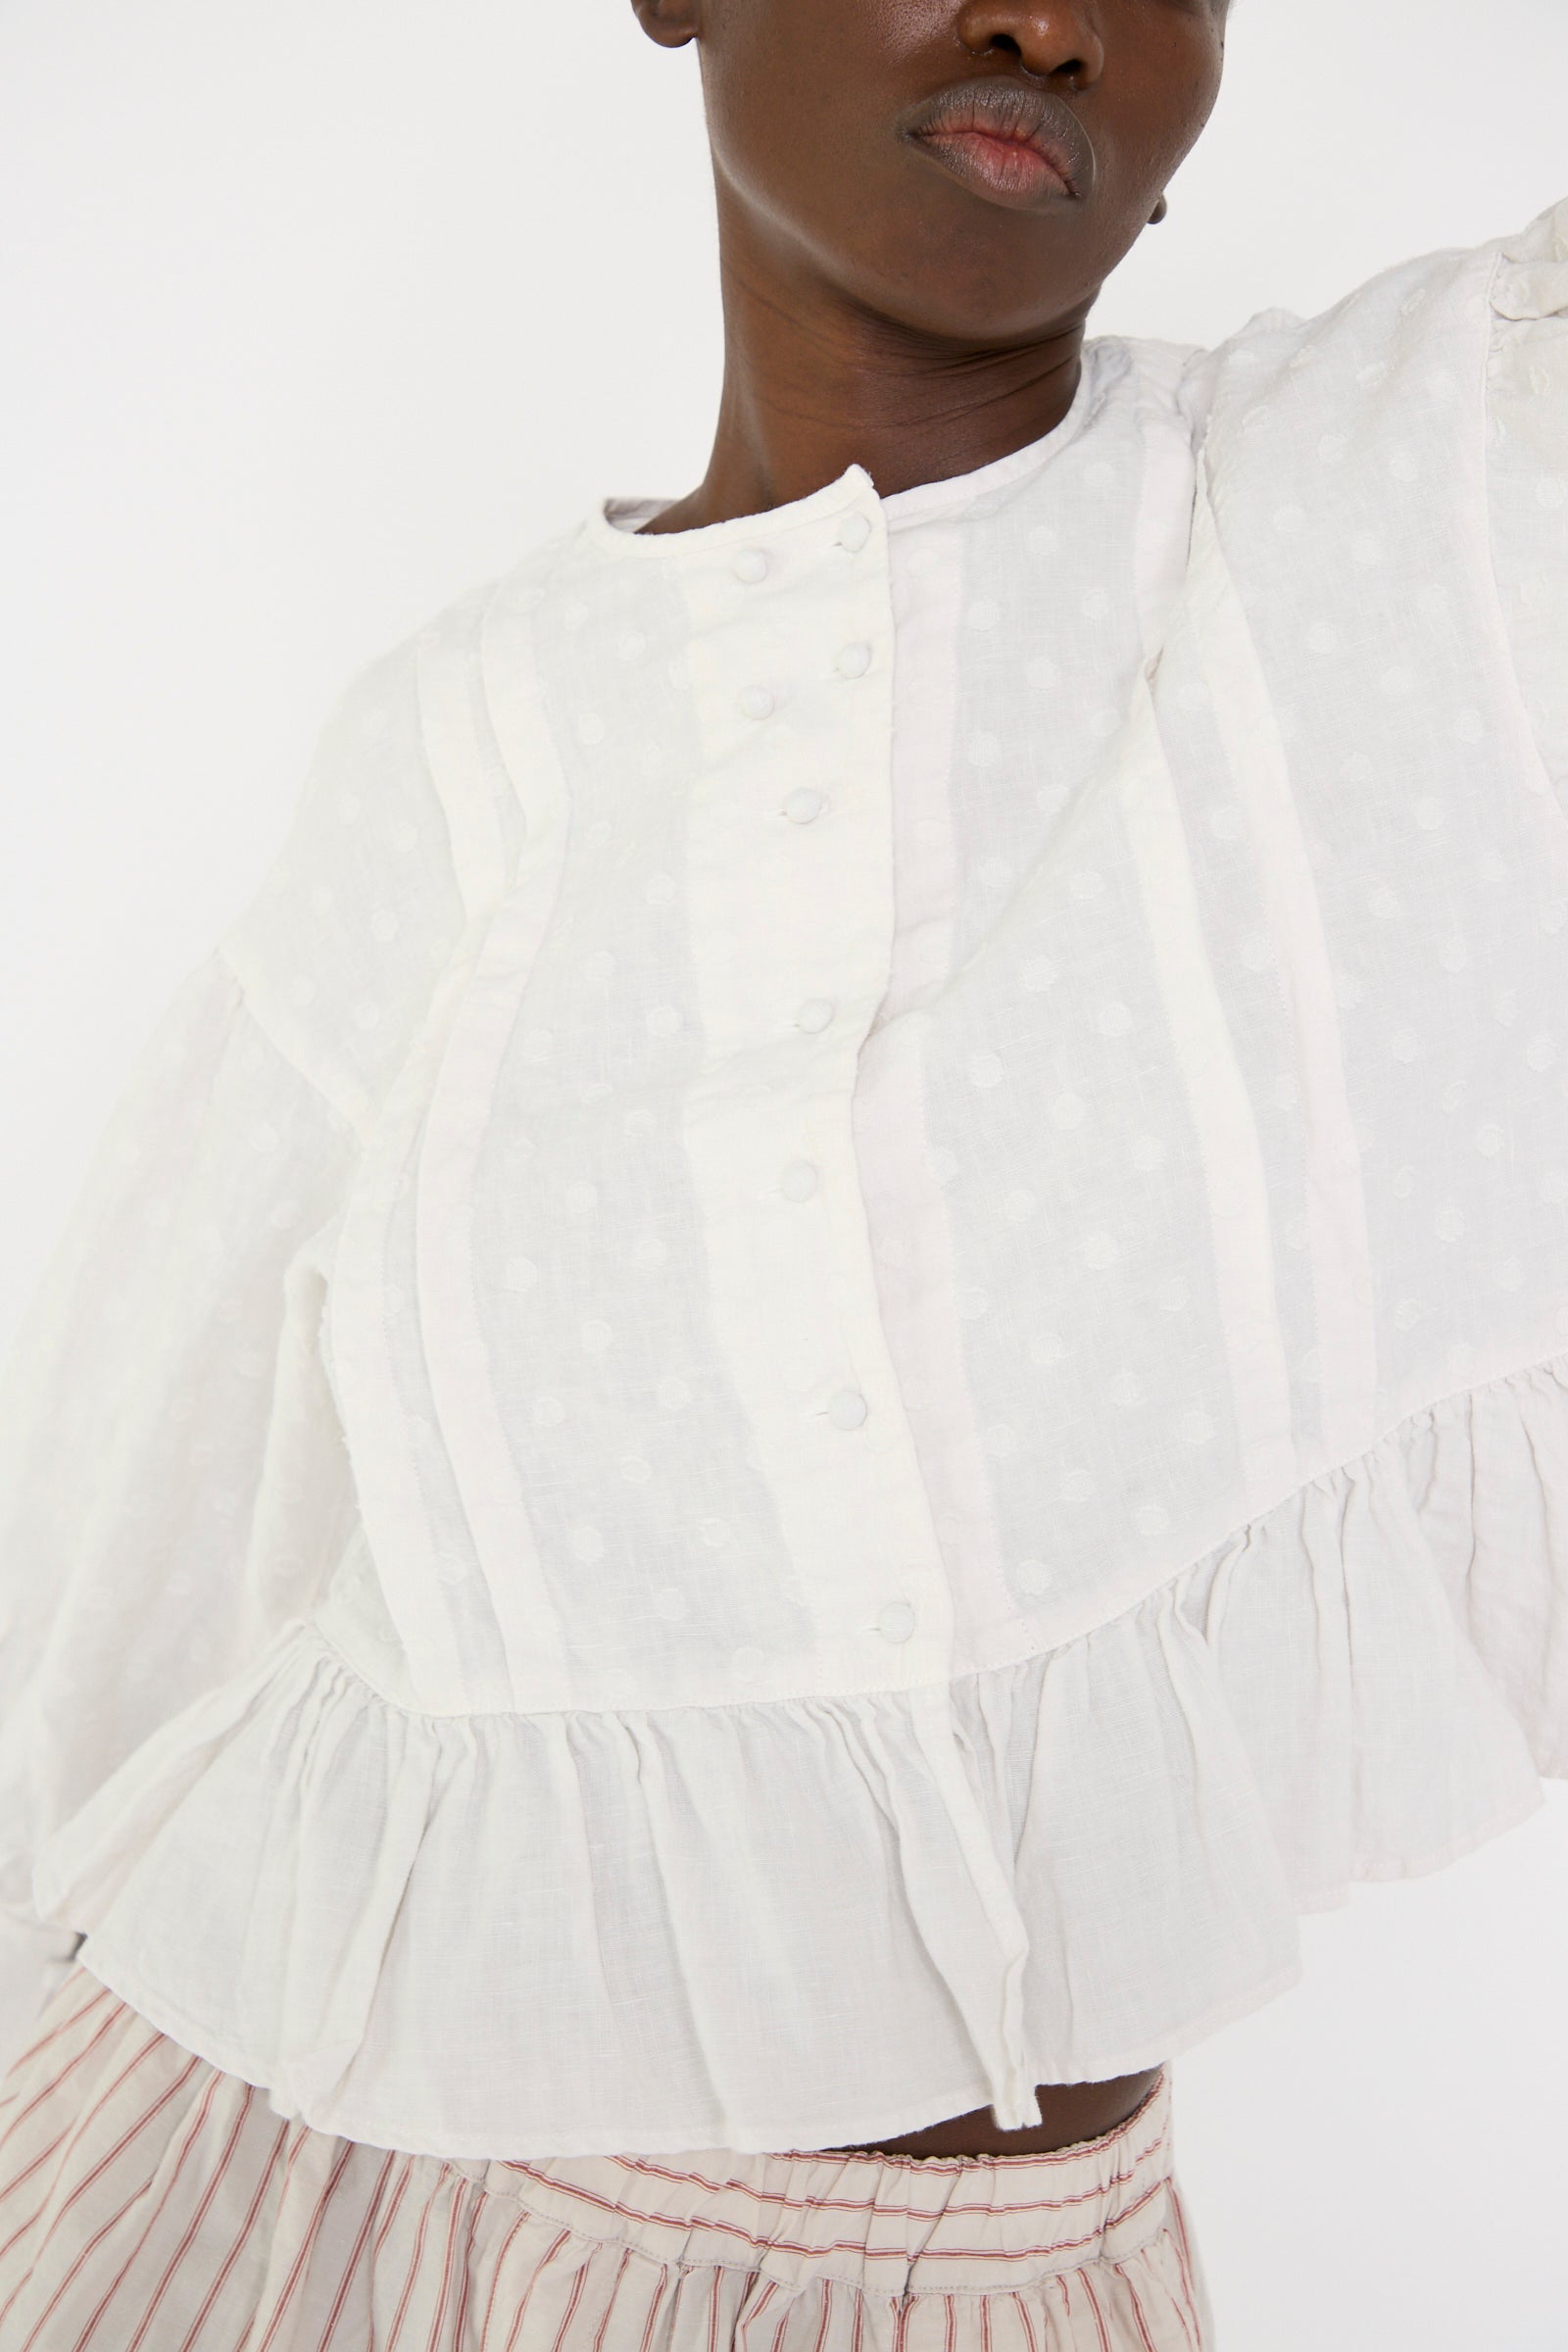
{"points": [[1004, 109]]}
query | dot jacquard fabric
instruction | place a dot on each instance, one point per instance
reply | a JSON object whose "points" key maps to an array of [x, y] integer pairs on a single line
{"points": [[836, 1341]]}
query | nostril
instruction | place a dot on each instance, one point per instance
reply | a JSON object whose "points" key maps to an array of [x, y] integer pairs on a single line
{"points": [[1071, 69]]}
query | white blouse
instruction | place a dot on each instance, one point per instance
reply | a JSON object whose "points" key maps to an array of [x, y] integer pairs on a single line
{"points": [[836, 1341]]}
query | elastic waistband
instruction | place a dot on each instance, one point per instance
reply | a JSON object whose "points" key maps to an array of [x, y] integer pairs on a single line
{"points": [[898, 2223]]}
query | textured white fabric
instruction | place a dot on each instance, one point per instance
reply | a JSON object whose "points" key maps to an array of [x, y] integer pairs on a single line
{"points": [[713, 1467]]}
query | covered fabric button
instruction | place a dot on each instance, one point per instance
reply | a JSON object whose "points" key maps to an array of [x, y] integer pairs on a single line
{"points": [[814, 1013], [855, 660], [750, 565], [896, 1621], [756, 702], [802, 803], [846, 1408], [854, 532], [799, 1180]]}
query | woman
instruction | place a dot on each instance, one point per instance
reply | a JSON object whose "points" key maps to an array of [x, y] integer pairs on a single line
{"points": [[833, 1343]]}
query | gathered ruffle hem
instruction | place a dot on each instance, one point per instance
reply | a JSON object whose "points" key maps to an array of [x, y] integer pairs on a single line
{"points": [[649, 1914]]}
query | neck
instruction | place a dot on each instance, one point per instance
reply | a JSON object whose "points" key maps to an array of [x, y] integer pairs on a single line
{"points": [[815, 382]]}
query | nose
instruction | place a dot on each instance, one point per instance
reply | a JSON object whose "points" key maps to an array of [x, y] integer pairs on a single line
{"points": [[1055, 39]]}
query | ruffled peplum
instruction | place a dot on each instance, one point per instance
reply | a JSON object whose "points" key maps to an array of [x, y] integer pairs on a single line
{"points": [[1364, 1684]]}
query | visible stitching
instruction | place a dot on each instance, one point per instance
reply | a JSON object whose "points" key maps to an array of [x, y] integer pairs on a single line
{"points": [[868, 2253]]}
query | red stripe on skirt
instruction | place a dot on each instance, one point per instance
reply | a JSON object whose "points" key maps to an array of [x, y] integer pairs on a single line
{"points": [[340, 2299], [62, 2025], [1137, 2310], [187, 2143], [1183, 2260], [197, 2218], [827, 2306], [401, 2312], [501, 2263], [779, 2333], [459, 2209], [573, 2301], [391, 2214], [210, 2299], [64, 2075], [515, 2329], [758, 2308], [65, 2025], [656, 2304], [472, 2207], [119, 2148], [1100, 2317], [620, 2273], [303, 2254]]}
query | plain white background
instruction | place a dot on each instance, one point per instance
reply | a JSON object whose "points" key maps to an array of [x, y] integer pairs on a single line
{"points": [[318, 313]]}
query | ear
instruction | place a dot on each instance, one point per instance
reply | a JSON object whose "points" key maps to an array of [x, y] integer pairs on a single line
{"points": [[669, 22]]}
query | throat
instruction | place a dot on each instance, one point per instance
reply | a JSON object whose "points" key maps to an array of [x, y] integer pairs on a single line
{"points": [[815, 383]]}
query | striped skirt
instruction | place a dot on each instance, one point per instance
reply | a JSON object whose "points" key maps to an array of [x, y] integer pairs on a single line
{"points": [[151, 2203]]}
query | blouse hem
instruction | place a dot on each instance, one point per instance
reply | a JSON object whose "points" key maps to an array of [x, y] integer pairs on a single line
{"points": [[1349, 1691]]}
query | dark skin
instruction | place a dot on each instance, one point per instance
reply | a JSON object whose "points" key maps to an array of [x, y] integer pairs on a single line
{"points": [[883, 308]]}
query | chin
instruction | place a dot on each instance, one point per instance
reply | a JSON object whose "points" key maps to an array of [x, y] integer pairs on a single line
{"points": [[941, 280], [989, 309]]}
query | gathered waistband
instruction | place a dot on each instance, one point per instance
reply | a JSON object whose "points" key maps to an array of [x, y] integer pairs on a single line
{"points": [[903, 2223]]}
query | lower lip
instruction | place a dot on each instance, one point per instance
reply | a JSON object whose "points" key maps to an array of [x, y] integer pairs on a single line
{"points": [[1006, 167]]}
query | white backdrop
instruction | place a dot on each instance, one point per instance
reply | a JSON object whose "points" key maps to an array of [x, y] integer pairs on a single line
{"points": [[318, 313]]}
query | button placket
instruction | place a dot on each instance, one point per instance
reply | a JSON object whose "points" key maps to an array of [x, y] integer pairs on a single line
{"points": [[847, 1409], [815, 645]]}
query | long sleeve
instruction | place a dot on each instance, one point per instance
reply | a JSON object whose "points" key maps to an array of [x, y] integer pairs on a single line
{"points": [[171, 1481], [173, 1478], [1526, 473]]}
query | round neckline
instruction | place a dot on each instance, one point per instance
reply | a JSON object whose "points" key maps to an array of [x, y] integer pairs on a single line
{"points": [[833, 497], [853, 487]]}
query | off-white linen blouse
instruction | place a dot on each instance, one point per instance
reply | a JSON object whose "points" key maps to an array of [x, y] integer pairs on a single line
{"points": [[836, 1341]]}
